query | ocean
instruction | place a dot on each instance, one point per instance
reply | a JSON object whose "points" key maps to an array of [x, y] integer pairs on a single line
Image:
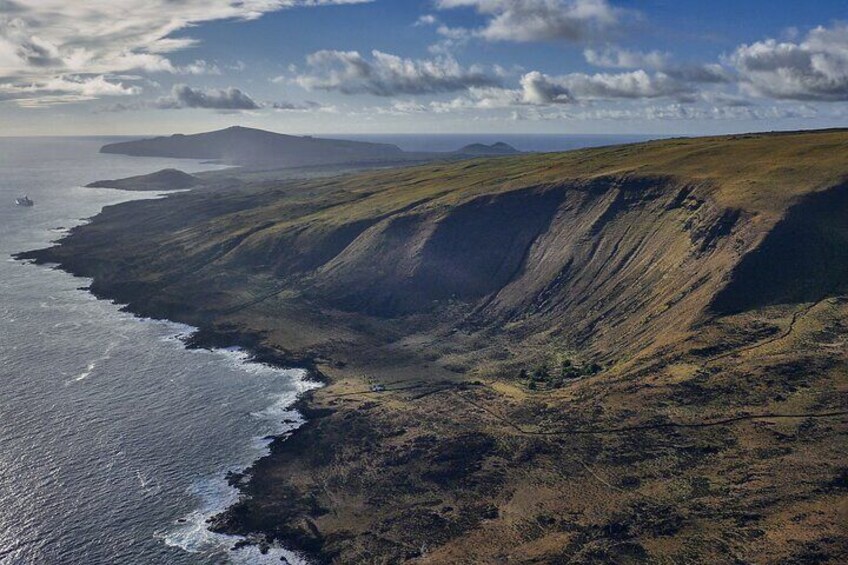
{"points": [[114, 439]]}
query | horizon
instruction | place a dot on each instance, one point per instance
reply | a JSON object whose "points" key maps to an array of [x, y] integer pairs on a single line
{"points": [[337, 135], [375, 67]]}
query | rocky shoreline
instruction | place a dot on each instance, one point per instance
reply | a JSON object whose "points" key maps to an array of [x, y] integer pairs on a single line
{"points": [[208, 336]]}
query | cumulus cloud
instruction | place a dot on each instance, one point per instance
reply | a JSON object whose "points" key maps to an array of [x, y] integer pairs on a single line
{"points": [[228, 99], [542, 20], [540, 89], [42, 40], [815, 68], [634, 84], [537, 89], [710, 73], [617, 58], [388, 75]]}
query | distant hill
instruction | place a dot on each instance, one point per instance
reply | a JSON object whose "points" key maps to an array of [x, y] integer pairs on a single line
{"points": [[246, 146], [499, 148], [166, 179]]}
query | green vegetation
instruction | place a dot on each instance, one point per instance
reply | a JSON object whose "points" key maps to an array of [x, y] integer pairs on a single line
{"points": [[556, 373]]}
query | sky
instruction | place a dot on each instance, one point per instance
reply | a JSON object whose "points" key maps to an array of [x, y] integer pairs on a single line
{"points": [[132, 67]]}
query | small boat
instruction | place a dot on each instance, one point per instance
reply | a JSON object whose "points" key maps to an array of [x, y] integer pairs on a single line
{"points": [[24, 201]]}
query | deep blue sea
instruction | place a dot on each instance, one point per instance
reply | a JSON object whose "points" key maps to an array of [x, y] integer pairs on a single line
{"points": [[115, 439]]}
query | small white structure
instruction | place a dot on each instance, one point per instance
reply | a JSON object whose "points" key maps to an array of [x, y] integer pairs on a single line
{"points": [[377, 388]]}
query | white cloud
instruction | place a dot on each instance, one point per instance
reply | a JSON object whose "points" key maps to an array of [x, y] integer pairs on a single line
{"points": [[813, 69], [452, 38], [44, 39], [64, 89], [676, 111], [199, 67], [540, 89], [634, 84], [384, 74], [426, 20], [618, 58], [542, 20]]}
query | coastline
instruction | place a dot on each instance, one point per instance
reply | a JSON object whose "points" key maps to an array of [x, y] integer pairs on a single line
{"points": [[294, 530], [206, 336], [455, 457]]}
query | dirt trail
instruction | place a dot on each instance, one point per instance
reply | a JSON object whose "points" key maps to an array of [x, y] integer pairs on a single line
{"points": [[796, 316], [645, 427]]}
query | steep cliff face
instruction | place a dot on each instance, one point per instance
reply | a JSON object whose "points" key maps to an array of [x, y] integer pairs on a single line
{"points": [[411, 260], [625, 260], [803, 259], [611, 262]]}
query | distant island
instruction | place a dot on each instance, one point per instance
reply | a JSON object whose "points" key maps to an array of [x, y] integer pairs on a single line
{"points": [[499, 148], [259, 148], [166, 179], [628, 354]]}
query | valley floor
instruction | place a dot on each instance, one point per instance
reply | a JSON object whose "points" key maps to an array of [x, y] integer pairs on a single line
{"points": [[709, 456]]}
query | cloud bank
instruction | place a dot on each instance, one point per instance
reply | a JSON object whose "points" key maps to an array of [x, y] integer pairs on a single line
{"points": [[388, 75], [813, 69], [47, 40]]}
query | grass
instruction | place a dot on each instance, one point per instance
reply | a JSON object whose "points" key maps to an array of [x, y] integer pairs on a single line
{"points": [[757, 173]]}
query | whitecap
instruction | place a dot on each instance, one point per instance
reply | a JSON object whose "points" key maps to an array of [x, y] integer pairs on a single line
{"points": [[85, 374], [191, 533]]}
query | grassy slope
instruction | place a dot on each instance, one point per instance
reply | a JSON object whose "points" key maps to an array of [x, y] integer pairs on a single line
{"points": [[410, 277]]}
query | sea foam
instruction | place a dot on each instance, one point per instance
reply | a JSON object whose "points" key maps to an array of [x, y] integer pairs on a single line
{"points": [[191, 533]]}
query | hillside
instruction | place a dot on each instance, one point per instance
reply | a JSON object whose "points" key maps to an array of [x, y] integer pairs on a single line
{"points": [[624, 354]]}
